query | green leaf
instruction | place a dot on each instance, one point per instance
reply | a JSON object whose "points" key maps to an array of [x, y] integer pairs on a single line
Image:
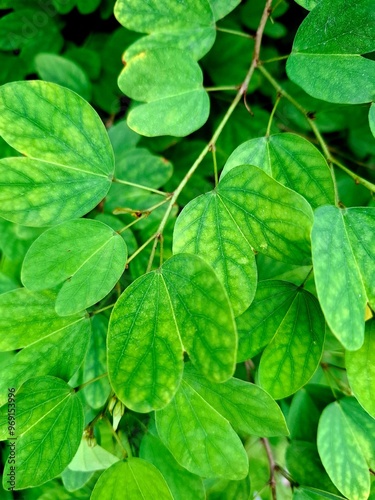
{"points": [[87, 256], [91, 457], [206, 228], [49, 419], [60, 70], [276, 220], [292, 161], [371, 117], [205, 446], [326, 56], [180, 306], [288, 322], [188, 26], [70, 164], [135, 479], [181, 482], [303, 493], [346, 437], [87, 6], [360, 367], [246, 406], [27, 317], [169, 106], [222, 8], [224, 489], [343, 255]]}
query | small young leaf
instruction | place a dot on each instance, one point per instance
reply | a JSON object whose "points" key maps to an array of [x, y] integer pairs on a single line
{"points": [[70, 164], [205, 446], [90, 458], [49, 419], [87, 256], [135, 479]]}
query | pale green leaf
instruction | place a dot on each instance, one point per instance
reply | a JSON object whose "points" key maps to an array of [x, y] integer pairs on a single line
{"points": [[326, 58], [345, 437], [91, 457], [182, 483], [205, 446], [291, 160], [307, 4], [70, 164], [169, 106], [135, 479], [222, 8], [247, 407], [360, 366], [276, 220], [87, 256], [27, 317], [189, 25], [343, 254], [180, 306], [304, 493], [49, 426], [206, 228], [60, 70]]}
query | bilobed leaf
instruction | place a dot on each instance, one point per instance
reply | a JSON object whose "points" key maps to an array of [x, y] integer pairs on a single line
{"points": [[60, 70], [49, 419], [205, 446], [289, 323], [27, 317], [343, 255], [168, 106], [360, 367], [291, 160], [346, 437], [326, 58], [91, 457], [247, 407], [180, 306], [181, 482], [134, 479], [87, 256], [205, 228], [69, 159], [189, 25], [276, 220]]}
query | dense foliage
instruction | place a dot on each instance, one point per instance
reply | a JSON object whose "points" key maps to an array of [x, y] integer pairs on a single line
{"points": [[187, 243]]}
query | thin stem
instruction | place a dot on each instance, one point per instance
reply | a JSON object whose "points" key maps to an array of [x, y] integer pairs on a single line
{"points": [[140, 186], [85, 384], [241, 92], [125, 453], [138, 213], [142, 247], [161, 249], [219, 89], [234, 32], [357, 179], [272, 115], [307, 277], [101, 309], [213, 149], [272, 481], [275, 59], [143, 216]]}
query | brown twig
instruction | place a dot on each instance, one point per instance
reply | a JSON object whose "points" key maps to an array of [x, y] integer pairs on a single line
{"points": [[273, 467]]}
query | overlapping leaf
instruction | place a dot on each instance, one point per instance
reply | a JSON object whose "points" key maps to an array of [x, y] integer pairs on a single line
{"points": [[205, 446], [326, 58], [289, 323], [131, 479], [69, 160], [343, 250], [91, 457], [49, 418], [168, 106], [346, 437], [180, 306], [371, 118], [87, 256], [291, 160]]}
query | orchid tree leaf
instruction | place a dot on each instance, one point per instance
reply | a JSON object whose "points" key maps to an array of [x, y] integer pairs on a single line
{"points": [[343, 251], [208, 447], [167, 106], [291, 160], [68, 164], [360, 367], [84, 255], [181, 306], [276, 220], [49, 418], [134, 479], [206, 228], [326, 59]]}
